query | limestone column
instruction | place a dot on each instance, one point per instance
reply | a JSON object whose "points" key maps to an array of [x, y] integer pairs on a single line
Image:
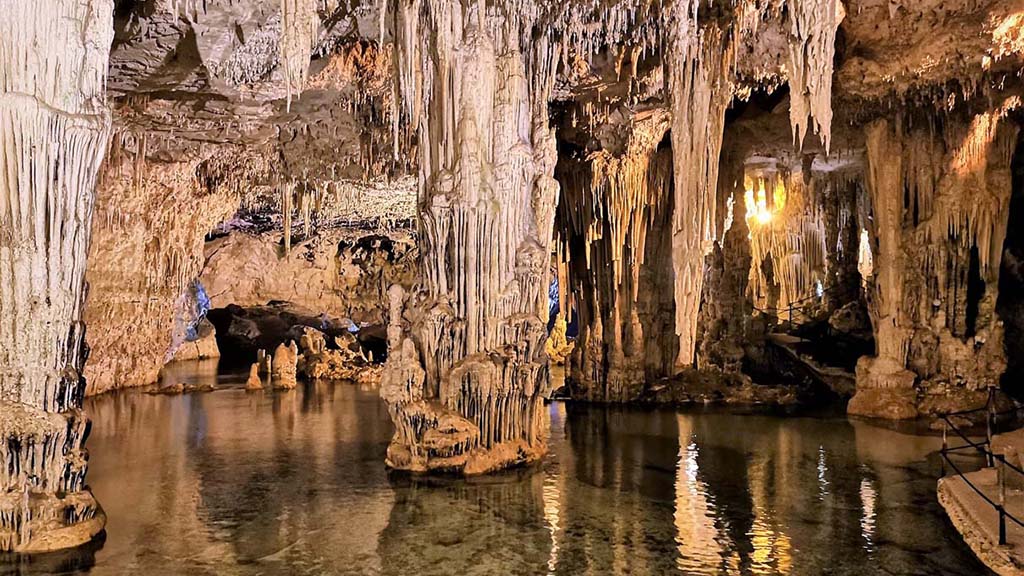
{"points": [[937, 198], [54, 127], [884, 385], [466, 367]]}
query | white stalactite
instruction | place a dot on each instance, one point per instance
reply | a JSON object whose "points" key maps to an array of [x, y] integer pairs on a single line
{"points": [[812, 46], [464, 383], [299, 27], [700, 91]]}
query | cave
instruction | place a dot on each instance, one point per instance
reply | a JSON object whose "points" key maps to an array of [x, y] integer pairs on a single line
{"points": [[493, 287]]}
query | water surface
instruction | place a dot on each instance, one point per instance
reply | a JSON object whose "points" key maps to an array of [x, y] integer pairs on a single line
{"points": [[230, 482]]}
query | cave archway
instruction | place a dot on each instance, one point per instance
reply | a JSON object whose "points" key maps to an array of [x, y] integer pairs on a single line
{"points": [[1010, 304]]}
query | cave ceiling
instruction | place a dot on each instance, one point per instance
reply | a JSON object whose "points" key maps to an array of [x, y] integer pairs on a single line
{"points": [[191, 74]]}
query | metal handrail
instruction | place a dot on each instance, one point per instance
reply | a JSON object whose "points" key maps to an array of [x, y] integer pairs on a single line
{"points": [[983, 447]]}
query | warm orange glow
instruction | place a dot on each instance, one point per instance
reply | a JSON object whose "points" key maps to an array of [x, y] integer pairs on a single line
{"points": [[1008, 36], [755, 198], [865, 260], [970, 155]]}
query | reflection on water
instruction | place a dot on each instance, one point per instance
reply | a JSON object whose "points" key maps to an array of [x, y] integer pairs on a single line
{"points": [[231, 482]]}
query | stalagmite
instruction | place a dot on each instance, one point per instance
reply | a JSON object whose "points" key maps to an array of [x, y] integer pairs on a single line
{"points": [[615, 203], [264, 361], [283, 374], [254, 382], [700, 92], [54, 125], [940, 208]]}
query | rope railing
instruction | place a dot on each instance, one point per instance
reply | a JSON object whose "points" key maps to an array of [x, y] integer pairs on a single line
{"points": [[796, 305], [984, 448]]}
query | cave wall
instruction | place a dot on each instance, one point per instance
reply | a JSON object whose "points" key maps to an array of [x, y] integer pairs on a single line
{"points": [[151, 222]]}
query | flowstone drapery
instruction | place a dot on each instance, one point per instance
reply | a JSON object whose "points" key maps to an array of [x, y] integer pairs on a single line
{"points": [[940, 200], [54, 127], [466, 370]]}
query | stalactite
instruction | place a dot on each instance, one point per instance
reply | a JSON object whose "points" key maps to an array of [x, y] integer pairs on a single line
{"points": [[787, 226], [611, 203], [937, 198], [812, 47], [53, 64], [700, 91], [299, 26]]}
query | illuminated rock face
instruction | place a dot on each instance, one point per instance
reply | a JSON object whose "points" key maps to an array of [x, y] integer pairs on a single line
{"points": [[700, 90], [466, 368], [54, 125], [940, 206], [148, 234]]}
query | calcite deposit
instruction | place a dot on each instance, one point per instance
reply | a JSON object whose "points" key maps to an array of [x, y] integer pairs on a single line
{"points": [[56, 124], [705, 181]]}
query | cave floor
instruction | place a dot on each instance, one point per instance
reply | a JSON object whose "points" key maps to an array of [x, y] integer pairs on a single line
{"points": [[230, 482]]}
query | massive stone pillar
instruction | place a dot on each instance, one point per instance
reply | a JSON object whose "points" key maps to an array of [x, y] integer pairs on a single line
{"points": [[54, 127], [883, 381], [466, 367], [940, 206]]}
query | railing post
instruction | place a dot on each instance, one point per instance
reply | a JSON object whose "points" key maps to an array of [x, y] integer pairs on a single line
{"points": [[945, 446], [989, 417], [1002, 526], [1001, 475]]}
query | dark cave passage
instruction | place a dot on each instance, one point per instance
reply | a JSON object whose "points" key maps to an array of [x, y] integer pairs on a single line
{"points": [[243, 331], [1010, 305]]}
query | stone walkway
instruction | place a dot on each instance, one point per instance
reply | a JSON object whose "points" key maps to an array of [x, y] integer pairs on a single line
{"points": [[977, 521]]}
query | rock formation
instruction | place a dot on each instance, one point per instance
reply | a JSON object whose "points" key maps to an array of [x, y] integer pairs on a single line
{"points": [[151, 220], [465, 391], [936, 261], [284, 372], [254, 382], [696, 170], [318, 362], [613, 220], [55, 126], [343, 272], [202, 347]]}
